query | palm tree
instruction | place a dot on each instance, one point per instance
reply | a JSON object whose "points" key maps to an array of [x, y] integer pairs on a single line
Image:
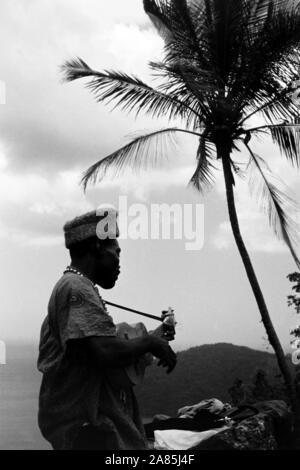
{"points": [[225, 62]]}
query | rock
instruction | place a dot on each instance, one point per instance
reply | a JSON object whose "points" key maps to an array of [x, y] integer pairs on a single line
{"points": [[282, 419], [269, 429], [255, 433]]}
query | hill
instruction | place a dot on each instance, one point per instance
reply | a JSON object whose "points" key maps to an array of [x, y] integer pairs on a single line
{"points": [[202, 372]]}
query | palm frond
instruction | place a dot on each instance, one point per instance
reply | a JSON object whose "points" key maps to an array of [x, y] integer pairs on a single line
{"points": [[226, 24], [195, 86], [203, 177], [130, 93], [188, 42], [285, 109], [187, 35], [262, 9], [158, 15], [142, 151], [274, 202], [287, 138], [203, 79], [279, 106], [269, 46]]}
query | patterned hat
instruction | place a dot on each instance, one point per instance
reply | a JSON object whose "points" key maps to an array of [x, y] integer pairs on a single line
{"points": [[101, 223]]}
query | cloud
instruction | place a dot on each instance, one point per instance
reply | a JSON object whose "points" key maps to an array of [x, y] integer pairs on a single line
{"points": [[256, 233], [132, 48], [51, 126], [34, 207]]}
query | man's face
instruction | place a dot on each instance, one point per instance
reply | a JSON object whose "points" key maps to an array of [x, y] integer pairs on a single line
{"points": [[107, 262]]}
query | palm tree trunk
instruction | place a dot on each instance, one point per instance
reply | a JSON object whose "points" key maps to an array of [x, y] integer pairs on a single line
{"points": [[272, 335]]}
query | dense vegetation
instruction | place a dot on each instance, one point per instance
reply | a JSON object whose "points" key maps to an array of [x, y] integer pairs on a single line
{"points": [[206, 371]]}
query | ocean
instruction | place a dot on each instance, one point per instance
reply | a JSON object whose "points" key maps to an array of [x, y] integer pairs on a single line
{"points": [[19, 388]]}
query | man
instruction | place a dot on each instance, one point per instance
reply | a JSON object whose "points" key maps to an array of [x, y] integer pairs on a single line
{"points": [[86, 400]]}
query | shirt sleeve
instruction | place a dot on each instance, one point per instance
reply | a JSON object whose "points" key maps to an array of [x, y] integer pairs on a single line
{"points": [[81, 313]]}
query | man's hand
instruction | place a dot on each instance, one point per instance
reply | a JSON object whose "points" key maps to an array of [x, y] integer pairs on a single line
{"points": [[160, 348]]}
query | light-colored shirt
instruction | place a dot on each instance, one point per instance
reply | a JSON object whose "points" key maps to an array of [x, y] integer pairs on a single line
{"points": [[74, 390]]}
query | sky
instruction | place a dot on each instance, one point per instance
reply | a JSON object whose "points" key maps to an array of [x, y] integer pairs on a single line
{"points": [[50, 132]]}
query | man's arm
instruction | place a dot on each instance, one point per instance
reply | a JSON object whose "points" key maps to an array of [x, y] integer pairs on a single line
{"points": [[110, 352]]}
